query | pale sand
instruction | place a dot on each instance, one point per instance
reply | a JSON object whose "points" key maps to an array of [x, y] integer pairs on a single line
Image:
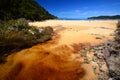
{"points": [[80, 31]]}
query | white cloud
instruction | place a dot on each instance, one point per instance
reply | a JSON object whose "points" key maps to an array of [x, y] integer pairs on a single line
{"points": [[77, 11]]}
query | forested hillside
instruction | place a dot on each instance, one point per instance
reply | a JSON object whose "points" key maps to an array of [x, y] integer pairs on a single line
{"points": [[28, 9], [106, 17]]}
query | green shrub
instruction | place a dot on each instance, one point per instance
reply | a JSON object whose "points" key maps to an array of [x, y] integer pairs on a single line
{"points": [[17, 34]]}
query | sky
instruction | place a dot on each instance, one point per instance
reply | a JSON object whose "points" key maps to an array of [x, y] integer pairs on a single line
{"points": [[81, 8]]}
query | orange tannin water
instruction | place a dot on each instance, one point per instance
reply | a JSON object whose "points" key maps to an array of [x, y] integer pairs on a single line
{"points": [[43, 62]]}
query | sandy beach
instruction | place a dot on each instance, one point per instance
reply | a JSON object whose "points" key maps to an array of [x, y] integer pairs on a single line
{"points": [[59, 57], [74, 32], [59, 40], [81, 31]]}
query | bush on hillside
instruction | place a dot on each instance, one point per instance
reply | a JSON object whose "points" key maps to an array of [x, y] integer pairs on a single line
{"points": [[17, 34]]}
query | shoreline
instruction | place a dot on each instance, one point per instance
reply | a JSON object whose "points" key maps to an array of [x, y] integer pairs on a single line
{"points": [[91, 19]]}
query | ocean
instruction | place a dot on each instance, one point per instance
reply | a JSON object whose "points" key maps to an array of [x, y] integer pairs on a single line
{"points": [[84, 19]]}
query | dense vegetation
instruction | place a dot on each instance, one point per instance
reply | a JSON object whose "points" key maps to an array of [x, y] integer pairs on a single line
{"points": [[106, 17], [28, 9], [17, 34]]}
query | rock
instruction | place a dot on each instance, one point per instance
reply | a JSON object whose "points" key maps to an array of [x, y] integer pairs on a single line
{"points": [[101, 78], [110, 79], [100, 56], [98, 38], [114, 53], [86, 60]]}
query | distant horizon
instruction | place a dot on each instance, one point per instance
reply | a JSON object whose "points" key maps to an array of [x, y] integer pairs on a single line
{"points": [[84, 18], [81, 8]]}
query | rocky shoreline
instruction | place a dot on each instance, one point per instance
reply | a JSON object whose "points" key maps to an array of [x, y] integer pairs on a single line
{"points": [[105, 60]]}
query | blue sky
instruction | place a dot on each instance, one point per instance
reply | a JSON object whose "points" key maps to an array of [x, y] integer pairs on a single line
{"points": [[81, 8]]}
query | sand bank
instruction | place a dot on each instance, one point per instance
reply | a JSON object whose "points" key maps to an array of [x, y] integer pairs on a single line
{"points": [[81, 31]]}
